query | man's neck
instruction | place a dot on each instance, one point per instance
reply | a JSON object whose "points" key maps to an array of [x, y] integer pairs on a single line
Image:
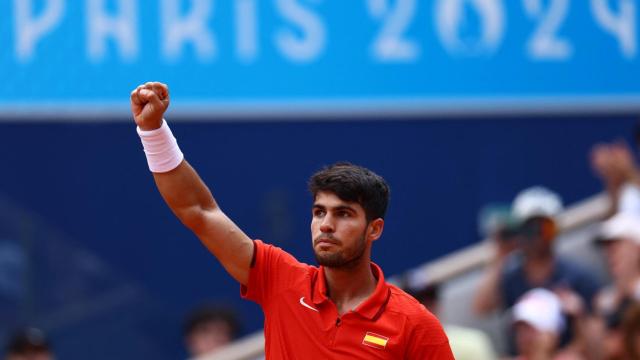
{"points": [[348, 288]]}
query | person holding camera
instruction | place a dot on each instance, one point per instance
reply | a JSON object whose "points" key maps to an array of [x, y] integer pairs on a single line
{"points": [[535, 265]]}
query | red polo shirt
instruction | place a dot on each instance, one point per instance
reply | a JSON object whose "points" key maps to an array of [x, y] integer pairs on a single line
{"points": [[302, 323]]}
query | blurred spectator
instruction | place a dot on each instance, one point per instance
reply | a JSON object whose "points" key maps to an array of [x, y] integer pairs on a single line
{"points": [[209, 328], [620, 240], [466, 343], [614, 164], [28, 344], [535, 265], [496, 224], [631, 332], [538, 323]]}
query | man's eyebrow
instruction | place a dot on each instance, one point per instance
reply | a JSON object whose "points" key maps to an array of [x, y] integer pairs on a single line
{"points": [[318, 206], [335, 208], [344, 207]]}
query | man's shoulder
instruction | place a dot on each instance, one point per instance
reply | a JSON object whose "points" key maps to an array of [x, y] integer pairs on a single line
{"points": [[420, 324], [279, 265], [406, 304], [271, 252], [401, 299], [273, 271]]}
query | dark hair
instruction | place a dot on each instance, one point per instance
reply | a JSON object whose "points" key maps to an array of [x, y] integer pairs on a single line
{"points": [[353, 183], [26, 341], [210, 313]]}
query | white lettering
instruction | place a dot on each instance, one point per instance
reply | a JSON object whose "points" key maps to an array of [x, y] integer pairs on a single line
{"points": [[391, 44], [191, 27], [313, 40], [101, 26], [623, 26], [246, 28], [450, 18], [29, 29], [545, 44]]}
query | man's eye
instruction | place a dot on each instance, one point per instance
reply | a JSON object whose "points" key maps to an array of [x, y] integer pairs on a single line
{"points": [[318, 213], [344, 214]]}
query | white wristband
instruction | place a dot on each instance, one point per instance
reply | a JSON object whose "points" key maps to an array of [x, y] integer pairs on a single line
{"points": [[161, 148]]}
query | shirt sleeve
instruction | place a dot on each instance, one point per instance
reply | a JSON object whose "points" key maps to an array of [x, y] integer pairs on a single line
{"points": [[272, 270], [428, 341]]}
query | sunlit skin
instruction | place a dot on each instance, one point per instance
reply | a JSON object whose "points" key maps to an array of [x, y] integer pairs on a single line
{"points": [[341, 240]]}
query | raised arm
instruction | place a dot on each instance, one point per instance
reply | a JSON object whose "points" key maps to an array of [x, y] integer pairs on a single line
{"points": [[181, 187], [488, 294]]}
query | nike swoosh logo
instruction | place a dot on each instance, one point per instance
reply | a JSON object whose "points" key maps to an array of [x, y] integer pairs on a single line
{"points": [[306, 305]]}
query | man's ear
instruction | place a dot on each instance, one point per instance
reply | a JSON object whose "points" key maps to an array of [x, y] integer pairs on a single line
{"points": [[374, 230]]}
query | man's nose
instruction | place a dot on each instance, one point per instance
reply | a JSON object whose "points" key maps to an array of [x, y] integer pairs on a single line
{"points": [[327, 224]]}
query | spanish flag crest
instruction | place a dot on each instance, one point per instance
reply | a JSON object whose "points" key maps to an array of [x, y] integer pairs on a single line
{"points": [[374, 340]]}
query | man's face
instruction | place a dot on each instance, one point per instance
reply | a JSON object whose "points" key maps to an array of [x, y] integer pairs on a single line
{"points": [[529, 340], [531, 239], [338, 231], [525, 337]]}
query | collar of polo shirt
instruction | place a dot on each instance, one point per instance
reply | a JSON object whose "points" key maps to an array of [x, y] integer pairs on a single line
{"points": [[370, 308]]}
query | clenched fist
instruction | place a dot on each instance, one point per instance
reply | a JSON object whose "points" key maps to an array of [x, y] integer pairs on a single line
{"points": [[148, 104]]}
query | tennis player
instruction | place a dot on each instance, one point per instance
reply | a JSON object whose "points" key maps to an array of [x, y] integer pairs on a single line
{"points": [[342, 309]]}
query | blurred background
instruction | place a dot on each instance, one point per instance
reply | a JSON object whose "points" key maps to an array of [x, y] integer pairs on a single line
{"points": [[457, 103]]}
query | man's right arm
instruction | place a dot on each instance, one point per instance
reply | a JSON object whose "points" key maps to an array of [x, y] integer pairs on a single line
{"points": [[188, 196]]}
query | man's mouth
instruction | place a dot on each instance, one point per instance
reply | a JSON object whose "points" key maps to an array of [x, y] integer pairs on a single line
{"points": [[326, 241]]}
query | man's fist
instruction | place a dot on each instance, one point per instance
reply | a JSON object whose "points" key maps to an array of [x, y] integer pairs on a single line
{"points": [[148, 104]]}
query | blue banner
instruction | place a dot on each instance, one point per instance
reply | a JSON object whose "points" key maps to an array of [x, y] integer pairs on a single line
{"points": [[325, 55]]}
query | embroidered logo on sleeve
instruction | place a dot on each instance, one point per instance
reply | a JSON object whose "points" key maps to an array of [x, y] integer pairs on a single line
{"points": [[375, 340]]}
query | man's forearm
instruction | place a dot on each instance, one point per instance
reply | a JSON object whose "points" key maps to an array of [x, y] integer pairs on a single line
{"points": [[185, 193]]}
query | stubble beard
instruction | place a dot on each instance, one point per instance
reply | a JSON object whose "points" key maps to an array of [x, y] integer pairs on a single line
{"points": [[339, 260]]}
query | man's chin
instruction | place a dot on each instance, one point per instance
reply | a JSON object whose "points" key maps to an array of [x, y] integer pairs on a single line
{"points": [[327, 259]]}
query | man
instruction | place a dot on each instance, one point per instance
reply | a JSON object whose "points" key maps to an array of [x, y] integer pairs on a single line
{"points": [[342, 310], [619, 238], [537, 323], [535, 265], [28, 344], [614, 163], [496, 224]]}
